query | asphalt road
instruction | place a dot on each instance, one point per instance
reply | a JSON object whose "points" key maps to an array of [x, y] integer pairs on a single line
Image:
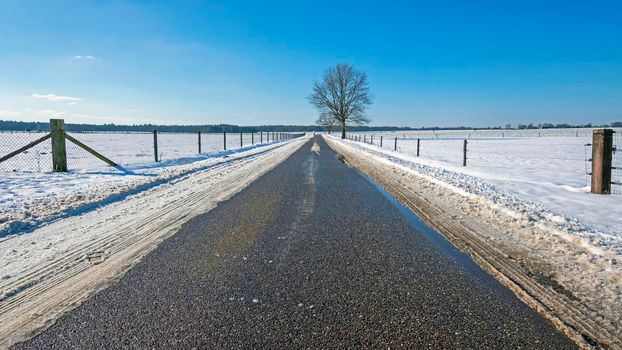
{"points": [[312, 255]]}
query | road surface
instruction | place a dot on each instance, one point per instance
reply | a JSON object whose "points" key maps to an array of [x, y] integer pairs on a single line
{"points": [[311, 255]]}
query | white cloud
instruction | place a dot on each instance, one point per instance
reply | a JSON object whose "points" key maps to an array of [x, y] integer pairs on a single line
{"points": [[52, 113], [71, 103], [5, 114], [84, 57], [56, 98]]}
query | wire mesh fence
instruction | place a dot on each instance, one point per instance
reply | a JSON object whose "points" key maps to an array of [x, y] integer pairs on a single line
{"points": [[35, 159], [616, 163], [124, 148], [558, 160], [488, 133]]}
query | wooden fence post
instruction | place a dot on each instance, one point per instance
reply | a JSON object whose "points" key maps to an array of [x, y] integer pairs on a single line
{"points": [[199, 134], [155, 144], [464, 150], [224, 139], [59, 152], [395, 146], [418, 144], [602, 149]]}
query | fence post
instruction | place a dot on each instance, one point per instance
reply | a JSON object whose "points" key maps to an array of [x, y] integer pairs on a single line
{"points": [[252, 138], [241, 140], [602, 149], [418, 144], [380, 141], [364, 138], [199, 133], [224, 139], [155, 144], [261, 136], [372, 139], [59, 152], [464, 149], [395, 146]]}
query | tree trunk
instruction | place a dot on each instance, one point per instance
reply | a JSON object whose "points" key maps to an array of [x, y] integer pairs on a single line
{"points": [[343, 130]]}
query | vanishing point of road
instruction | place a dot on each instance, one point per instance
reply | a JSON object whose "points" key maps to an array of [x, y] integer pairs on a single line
{"points": [[311, 255]]}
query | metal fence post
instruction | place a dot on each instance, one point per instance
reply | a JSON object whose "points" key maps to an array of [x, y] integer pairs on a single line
{"points": [[464, 150], [380, 141], [252, 138], [224, 139], [155, 144], [241, 140], [199, 134], [418, 144], [602, 149], [261, 137], [395, 147], [59, 152]]}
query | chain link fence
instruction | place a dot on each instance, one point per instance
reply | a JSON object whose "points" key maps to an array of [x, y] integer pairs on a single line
{"points": [[123, 148], [35, 159]]}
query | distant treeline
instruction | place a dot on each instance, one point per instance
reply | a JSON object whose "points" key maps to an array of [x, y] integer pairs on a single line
{"points": [[44, 126], [566, 126]]}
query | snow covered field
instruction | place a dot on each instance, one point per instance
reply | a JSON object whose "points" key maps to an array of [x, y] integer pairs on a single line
{"points": [[474, 133]]}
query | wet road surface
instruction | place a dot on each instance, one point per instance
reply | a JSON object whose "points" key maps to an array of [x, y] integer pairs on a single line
{"points": [[311, 255]]}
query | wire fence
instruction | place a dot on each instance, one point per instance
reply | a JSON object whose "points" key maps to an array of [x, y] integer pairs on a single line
{"points": [[616, 164], [489, 133], [124, 148], [35, 159], [562, 158]]}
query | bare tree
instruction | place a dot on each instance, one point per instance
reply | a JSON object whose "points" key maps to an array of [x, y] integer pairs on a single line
{"points": [[327, 121], [343, 95]]}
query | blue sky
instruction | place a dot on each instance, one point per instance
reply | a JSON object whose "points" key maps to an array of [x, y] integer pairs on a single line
{"points": [[444, 63]]}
